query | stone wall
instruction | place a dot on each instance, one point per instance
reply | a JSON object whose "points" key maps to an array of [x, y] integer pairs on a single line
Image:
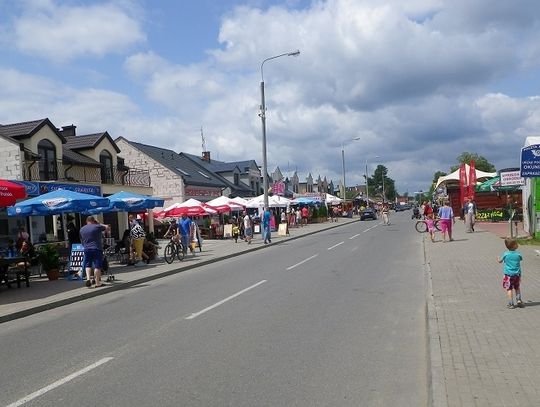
{"points": [[165, 183], [10, 160]]}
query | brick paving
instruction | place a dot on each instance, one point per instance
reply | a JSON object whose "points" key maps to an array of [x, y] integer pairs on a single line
{"points": [[487, 354]]}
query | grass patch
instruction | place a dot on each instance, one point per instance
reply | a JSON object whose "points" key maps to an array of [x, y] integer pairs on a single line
{"points": [[529, 242]]}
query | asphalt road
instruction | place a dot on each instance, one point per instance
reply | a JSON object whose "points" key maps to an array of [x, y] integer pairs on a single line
{"points": [[332, 319]]}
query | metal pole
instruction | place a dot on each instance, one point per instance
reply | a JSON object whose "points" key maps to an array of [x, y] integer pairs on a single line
{"points": [[263, 121], [367, 188], [344, 196], [383, 193], [265, 164]]}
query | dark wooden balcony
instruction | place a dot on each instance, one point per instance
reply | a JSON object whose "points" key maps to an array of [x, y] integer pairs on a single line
{"points": [[58, 170]]}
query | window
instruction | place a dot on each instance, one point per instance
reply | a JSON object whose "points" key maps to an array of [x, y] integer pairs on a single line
{"points": [[187, 174], [107, 171], [47, 162], [236, 178], [203, 174]]}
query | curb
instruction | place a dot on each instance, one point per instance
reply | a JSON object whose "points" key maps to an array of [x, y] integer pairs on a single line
{"points": [[437, 394], [141, 280]]}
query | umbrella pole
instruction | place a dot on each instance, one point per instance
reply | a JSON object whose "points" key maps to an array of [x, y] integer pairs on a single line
{"points": [[64, 227]]}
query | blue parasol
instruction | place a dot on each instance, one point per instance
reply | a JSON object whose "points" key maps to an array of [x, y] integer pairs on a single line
{"points": [[129, 202], [57, 202]]}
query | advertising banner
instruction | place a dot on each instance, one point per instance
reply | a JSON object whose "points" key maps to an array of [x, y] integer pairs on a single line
{"points": [[472, 180], [462, 183], [530, 161], [511, 178]]}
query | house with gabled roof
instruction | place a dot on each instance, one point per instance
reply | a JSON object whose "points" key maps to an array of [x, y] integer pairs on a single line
{"points": [[44, 158], [175, 177], [245, 175]]}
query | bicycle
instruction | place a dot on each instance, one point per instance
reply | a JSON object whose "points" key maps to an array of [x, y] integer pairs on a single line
{"points": [[174, 248], [421, 225]]}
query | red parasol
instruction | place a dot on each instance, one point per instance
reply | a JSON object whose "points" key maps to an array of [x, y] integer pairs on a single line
{"points": [[191, 207], [10, 192]]}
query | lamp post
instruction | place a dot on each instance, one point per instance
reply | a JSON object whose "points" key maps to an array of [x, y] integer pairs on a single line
{"points": [[344, 196], [263, 121], [367, 185]]}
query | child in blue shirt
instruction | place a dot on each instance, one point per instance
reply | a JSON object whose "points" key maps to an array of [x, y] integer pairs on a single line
{"points": [[512, 272]]}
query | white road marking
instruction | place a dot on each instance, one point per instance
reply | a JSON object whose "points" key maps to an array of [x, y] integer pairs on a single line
{"points": [[302, 262], [368, 229], [58, 383], [352, 237], [217, 304], [355, 248], [334, 246]]}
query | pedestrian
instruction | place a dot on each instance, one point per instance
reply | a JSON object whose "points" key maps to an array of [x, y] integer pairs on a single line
{"points": [[431, 226], [137, 235], [247, 227], [335, 211], [266, 220], [235, 231], [385, 214], [305, 215], [446, 215], [512, 272], [186, 233], [72, 231], [299, 217], [428, 210], [469, 212], [91, 239]]}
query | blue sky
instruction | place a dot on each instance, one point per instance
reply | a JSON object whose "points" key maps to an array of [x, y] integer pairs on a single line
{"points": [[418, 82]]}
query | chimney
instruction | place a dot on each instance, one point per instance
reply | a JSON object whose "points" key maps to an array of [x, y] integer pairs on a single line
{"points": [[206, 156], [68, 131]]}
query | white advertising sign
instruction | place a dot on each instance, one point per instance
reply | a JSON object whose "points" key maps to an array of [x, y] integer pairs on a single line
{"points": [[511, 178]]}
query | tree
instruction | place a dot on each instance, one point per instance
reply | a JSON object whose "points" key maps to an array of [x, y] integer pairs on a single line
{"points": [[480, 163], [376, 184]]}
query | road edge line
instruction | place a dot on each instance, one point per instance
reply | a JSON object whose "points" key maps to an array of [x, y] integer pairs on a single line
{"points": [[437, 392]]}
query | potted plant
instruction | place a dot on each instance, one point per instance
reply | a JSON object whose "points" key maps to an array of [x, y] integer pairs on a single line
{"points": [[50, 261]]}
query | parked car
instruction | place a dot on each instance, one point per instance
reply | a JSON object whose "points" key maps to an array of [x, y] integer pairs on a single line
{"points": [[368, 213]]}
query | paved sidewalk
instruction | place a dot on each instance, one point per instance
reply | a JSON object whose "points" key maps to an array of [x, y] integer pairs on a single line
{"points": [[43, 294], [482, 354]]}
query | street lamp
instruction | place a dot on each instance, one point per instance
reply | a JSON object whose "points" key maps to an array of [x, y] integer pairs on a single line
{"points": [[344, 196], [263, 121], [367, 185]]}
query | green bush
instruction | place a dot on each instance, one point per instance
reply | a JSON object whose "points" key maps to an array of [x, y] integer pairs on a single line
{"points": [[323, 211]]}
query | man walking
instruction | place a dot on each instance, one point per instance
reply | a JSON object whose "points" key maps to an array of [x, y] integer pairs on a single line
{"points": [[469, 210], [91, 240], [248, 234], [186, 232], [267, 215]]}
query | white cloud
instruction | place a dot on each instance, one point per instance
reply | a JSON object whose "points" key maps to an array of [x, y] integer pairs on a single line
{"points": [[416, 80], [61, 33]]}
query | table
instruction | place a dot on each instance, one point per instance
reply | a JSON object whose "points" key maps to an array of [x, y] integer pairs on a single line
{"points": [[5, 262]]}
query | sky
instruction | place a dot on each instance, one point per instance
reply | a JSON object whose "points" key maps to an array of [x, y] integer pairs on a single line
{"points": [[406, 84]]}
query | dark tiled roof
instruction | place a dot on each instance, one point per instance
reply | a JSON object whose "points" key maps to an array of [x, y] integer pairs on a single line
{"points": [[74, 157], [222, 166], [183, 166], [24, 130], [88, 141]]}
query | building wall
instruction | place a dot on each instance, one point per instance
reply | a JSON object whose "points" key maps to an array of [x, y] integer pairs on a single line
{"points": [[45, 133], [11, 160], [165, 183], [105, 144]]}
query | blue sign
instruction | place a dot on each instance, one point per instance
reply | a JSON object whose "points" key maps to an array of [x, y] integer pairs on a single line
{"points": [[45, 187], [530, 161]]}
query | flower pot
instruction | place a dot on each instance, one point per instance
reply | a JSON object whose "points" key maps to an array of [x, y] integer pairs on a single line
{"points": [[53, 274]]}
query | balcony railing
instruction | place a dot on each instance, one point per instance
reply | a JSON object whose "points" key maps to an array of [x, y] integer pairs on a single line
{"points": [[38, 170]]}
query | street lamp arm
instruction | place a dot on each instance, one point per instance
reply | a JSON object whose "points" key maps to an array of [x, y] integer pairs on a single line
{"points": [[287, 54]]}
